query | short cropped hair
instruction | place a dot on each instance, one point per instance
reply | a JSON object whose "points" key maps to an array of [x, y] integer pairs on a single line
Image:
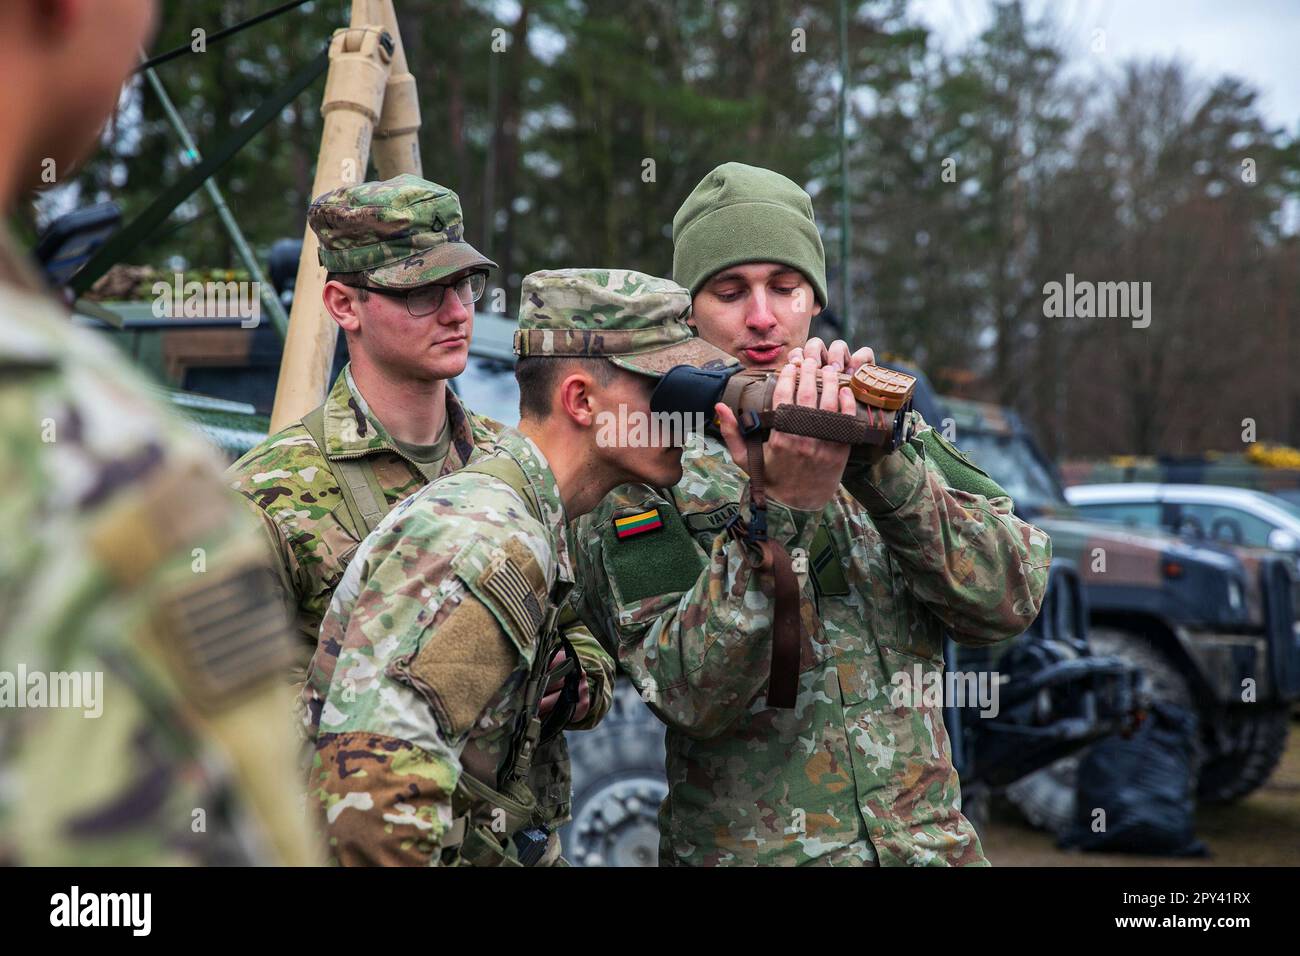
{"points": [[538, 376]]}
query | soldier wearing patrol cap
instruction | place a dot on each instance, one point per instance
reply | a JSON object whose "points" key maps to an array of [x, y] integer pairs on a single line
{"points": [[143, 718], [430, 736], [402, 283]]}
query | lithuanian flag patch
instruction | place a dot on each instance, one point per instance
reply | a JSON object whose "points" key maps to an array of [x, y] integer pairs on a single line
{"points": [[633, 525]]}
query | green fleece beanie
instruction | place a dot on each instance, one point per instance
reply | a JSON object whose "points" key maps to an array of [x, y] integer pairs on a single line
{"points": [[741, 214]]}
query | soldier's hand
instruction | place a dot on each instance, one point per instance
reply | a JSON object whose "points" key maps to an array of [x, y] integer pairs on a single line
{"points": [[837, 354], [556, 687], [801, 472]]}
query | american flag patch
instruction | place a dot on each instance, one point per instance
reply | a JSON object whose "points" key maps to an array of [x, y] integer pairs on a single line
{"points": [[514, 595], [228, 634], [636, 524]]}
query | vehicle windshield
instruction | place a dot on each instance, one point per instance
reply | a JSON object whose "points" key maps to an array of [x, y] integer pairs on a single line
{"points": [[1011, 462]]}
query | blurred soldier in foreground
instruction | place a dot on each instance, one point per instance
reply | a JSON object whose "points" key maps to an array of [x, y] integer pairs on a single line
{"points": [[402, 286], [143, 717], [850, 775], [430, 737]]}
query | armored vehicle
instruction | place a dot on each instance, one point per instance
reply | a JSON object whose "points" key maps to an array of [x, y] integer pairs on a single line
{"points": [[1211, 627]]}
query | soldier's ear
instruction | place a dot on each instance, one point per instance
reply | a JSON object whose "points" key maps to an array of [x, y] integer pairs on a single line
{"points": [[341, 303], [574, 398]]}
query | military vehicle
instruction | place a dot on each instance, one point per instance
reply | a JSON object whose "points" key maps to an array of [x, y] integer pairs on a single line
{"points": [[1210, 627], [1234, 516]]}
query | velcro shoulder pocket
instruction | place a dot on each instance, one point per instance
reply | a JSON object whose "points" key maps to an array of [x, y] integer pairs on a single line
{"points": [[462, 665], [649, 569], [932, 437], [651, 563]]}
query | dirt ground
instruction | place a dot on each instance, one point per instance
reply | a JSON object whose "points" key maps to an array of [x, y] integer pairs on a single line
{"points": [[1261, 830]]}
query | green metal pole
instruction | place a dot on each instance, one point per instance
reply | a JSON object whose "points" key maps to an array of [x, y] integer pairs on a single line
{"points": [[270, 301], [846, 287]]}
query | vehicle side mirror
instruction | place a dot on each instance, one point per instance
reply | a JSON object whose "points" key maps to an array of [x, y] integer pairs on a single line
{"points": [[1280, 539]]}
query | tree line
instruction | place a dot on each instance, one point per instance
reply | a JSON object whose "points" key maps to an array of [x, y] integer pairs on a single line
{"points": [[976, 178]]}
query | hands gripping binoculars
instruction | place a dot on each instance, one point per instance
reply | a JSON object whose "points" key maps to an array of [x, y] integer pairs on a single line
{"points": [[878, 426], [884, 397]]}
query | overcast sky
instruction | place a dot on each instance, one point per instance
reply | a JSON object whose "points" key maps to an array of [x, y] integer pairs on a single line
{"points": [[1258, 40]]}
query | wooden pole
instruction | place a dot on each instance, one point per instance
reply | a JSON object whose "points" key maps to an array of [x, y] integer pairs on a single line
{"points": [[396, 148], [361, 61]]}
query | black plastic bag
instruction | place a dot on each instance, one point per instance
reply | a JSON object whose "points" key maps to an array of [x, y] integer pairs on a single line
{"points": [[1146, 787]]}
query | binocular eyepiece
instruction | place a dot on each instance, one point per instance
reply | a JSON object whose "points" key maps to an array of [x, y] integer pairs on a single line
{"points": [[884, 397]]}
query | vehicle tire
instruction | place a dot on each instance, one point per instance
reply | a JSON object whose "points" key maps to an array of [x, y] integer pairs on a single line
{"points": [[1047, 797], [1241, 756], [618, 785]]}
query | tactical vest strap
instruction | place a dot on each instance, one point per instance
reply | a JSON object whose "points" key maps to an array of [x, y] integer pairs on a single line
{"points": [[506, 469], [363, 496], [529, 735]]}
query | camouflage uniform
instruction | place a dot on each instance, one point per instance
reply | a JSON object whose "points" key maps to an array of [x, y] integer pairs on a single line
{"points": [[444, 620], [298, 502], [123, 555], [845, 777], [402, 233]]}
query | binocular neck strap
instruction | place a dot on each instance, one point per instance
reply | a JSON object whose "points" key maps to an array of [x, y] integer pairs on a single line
{"points": [[783, 678]]}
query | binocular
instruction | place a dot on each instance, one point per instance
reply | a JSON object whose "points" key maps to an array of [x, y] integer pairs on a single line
{"points": [[884, 397]]}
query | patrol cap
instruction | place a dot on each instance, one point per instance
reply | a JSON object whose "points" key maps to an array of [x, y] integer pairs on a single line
{"points": [[402, 232], [636, 321]]}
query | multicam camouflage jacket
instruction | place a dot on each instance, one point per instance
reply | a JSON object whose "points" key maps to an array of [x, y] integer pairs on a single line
{"points": [[857, 772], [438, 623], [288, 483], [143, 719]]}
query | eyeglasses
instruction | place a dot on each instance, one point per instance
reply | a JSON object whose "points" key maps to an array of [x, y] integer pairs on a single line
{"points": [[427, 299]]}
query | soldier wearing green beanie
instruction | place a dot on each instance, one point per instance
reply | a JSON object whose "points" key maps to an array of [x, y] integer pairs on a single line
{"points": [[854, 774], [739, 214]]}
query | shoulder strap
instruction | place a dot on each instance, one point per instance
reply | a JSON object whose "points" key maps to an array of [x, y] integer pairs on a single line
{"points": [[506, 469], [314, 422], [363, 496]]}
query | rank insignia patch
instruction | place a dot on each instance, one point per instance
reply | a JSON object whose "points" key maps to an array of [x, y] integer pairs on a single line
{"points": [[636, 524]]}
